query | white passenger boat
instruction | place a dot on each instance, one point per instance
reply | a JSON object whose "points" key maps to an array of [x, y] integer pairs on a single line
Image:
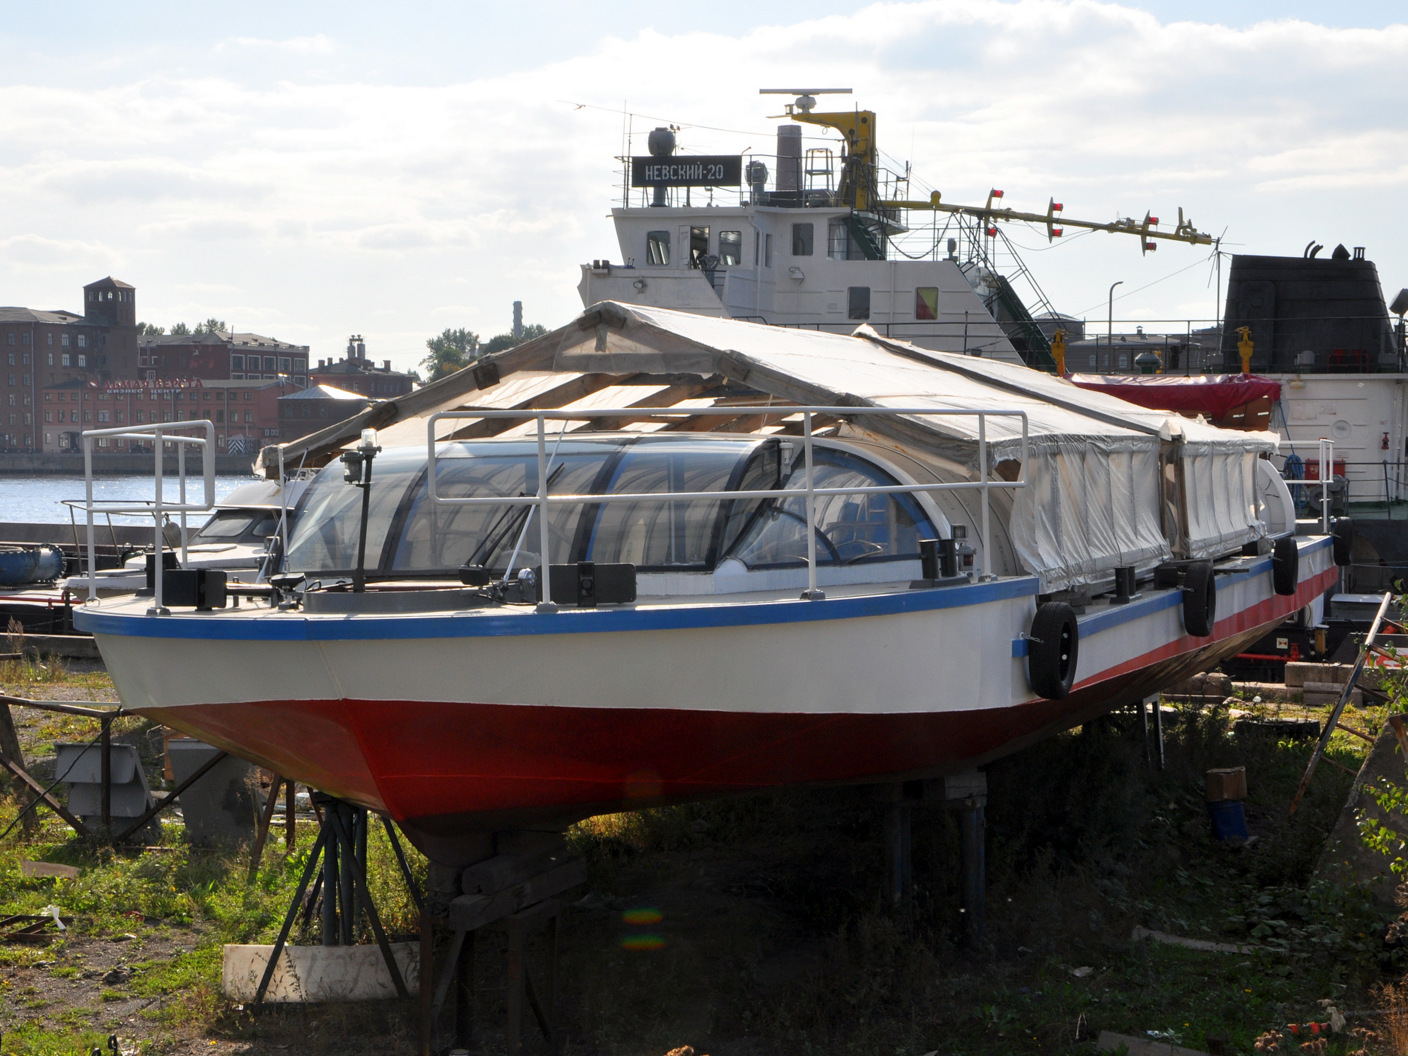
{"points": [[733, 524]]}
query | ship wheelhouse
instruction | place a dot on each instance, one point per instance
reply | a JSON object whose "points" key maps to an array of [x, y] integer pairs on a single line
{"points": [[691, 545]]}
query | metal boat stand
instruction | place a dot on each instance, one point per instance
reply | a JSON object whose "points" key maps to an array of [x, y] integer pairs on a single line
{"points": [[1145, 706], [513, 892], [965, 794], [341, 850], [12, 760]]}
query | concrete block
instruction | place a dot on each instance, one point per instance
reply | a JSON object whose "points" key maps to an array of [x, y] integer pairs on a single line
{"points": [[319, 973], [1111, 1042], [222, 807]]}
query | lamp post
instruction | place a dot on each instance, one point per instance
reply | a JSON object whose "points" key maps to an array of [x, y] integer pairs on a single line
{"points": [[1110, 319]]}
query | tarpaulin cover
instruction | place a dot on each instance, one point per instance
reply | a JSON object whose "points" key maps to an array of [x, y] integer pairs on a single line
{"points": [[1094, 499], [1212, 395]]}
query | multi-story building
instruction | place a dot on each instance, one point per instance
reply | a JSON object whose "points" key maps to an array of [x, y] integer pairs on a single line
{"points": [[357, 373], [310, 409], [222, 354], [40, 349]]}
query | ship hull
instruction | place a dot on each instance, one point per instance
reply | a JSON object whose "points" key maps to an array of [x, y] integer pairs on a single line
{"points": [[464, 723]]}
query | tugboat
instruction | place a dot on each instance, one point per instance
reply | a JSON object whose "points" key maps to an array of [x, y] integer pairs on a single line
{"points": [[822, 239]]}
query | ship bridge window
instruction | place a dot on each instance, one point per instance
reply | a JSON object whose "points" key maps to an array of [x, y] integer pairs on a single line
{"points": [[850, 528], [730, 248], [657, 248], [858, 302], [926, 302], [802, 240], [698, 247]]}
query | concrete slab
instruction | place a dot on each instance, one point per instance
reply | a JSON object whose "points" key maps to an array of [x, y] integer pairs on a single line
{"points": [[319, 973]]}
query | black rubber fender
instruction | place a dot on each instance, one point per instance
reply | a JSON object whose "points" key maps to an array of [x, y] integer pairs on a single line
{"points": [[1285, 566], [1342, 531], [1052, 650], [1199, 598]]}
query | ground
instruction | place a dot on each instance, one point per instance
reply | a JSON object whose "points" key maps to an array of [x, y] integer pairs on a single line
{"points": [[758, 925]]}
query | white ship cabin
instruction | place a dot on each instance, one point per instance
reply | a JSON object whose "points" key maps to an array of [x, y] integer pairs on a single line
{"points": [[790, 249]]}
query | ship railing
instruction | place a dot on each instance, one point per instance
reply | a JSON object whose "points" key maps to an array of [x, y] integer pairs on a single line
{"points": [[545, 499], [159, 434]]}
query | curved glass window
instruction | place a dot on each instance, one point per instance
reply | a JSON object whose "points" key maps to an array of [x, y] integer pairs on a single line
{"points": [[849, 528], [408, 535]]}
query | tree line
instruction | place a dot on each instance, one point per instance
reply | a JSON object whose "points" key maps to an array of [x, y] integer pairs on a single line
{"points": [[210, 326], [453, 349]]}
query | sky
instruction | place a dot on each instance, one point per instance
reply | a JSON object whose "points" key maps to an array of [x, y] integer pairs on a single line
{"points": [[313, 170]]}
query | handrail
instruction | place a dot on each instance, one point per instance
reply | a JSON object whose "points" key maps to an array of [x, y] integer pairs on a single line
{"points": [[1327, 470], [543, 499], [160, 433]]}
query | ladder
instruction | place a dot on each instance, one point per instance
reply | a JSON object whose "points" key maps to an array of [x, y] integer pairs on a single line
{"points": [[1349, 686]]}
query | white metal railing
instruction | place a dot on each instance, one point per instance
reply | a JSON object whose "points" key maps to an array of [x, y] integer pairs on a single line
{"points": [[543, 499], [1327, 473], [159, 434]]}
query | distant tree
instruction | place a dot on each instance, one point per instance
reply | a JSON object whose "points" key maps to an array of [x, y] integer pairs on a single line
{"points": [[211, 326], [452, 350], [150, 330], [180, 329], [499, 342]]}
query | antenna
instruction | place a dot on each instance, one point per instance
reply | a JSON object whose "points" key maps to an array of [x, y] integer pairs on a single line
{"points": [[804, 101]]}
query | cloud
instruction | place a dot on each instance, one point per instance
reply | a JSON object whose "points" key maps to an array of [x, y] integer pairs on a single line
{"points": [[341, 204], [318, 44]]}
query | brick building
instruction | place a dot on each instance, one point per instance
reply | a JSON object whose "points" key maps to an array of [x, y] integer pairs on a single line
{"points": [[357, 373], [42, 349], [222, 354]]}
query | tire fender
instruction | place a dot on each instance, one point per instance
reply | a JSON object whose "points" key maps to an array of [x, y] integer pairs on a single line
{"points": [[1199, 598], [1342, 530], [1052, 650], [1285, 566]]}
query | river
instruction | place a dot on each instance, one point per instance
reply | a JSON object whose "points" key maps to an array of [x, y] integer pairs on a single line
{"points": [[40, 499]]}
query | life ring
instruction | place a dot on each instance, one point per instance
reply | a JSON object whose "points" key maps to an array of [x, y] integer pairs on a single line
{"points": [[1199, 598], [1342, 531], [1052, 649], [1285, 566]]}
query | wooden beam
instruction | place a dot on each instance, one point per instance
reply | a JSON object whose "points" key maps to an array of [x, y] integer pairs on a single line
{"points": [[557, 397], [44, 797]]}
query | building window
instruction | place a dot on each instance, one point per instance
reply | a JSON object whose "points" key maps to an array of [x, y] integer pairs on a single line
{"points": [[139, 417], [83, 360], [730, 247], [246, 395], [48, 439], [237, 362], [657, 248], [249, 416], [926, 302], [219, 415], [24, 338], [11, 380], [48, 415], [66, 360], [49, 338], [48, 397], [104, 416], [12, 362], [73, 416], [858, 302], [51, 359], [63, 340], [299, 363], [802, 240], [10, 337], [24, 359], [269, 363], [82, 340], [118, 417], [28, 418], [285, 364]]}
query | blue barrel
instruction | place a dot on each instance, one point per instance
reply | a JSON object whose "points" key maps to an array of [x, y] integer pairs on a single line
{"points": [[1229, 820]]}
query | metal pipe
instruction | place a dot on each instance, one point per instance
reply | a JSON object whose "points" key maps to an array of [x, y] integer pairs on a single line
{"points": [[1110, 320], [812, 593], [544, 563]]}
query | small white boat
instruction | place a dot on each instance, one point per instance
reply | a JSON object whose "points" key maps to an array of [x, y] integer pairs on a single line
{"points": [[732, 521], [235, 540]]}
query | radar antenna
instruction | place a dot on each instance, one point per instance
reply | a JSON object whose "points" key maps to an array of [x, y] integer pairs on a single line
{"points": [[806, 97]]}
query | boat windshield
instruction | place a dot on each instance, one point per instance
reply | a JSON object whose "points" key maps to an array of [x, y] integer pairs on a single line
{"points": [[228, 526], [409, 536]]}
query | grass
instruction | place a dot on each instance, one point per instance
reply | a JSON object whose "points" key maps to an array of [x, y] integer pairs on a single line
{"points": [[758, 924]]}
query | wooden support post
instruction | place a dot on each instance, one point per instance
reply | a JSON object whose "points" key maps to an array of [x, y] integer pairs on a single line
{"points": [[1158, 727], [899, 863], [10, 748], [464, 992], [106, 775], [262, 832], [967, 794], [44, 797], [427, 980]]}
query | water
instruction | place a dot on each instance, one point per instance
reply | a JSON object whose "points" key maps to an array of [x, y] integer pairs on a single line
{"points": [[40, 499]]}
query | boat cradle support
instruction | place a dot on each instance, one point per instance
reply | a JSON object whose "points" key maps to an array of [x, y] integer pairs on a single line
{"points": [[966, 795]]}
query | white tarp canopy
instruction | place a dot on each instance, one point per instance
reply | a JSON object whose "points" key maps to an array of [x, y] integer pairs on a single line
{"points": [[1095, 464]]}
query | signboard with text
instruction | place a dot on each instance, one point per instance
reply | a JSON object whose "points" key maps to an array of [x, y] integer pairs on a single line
{"points": [[704, 170]]}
